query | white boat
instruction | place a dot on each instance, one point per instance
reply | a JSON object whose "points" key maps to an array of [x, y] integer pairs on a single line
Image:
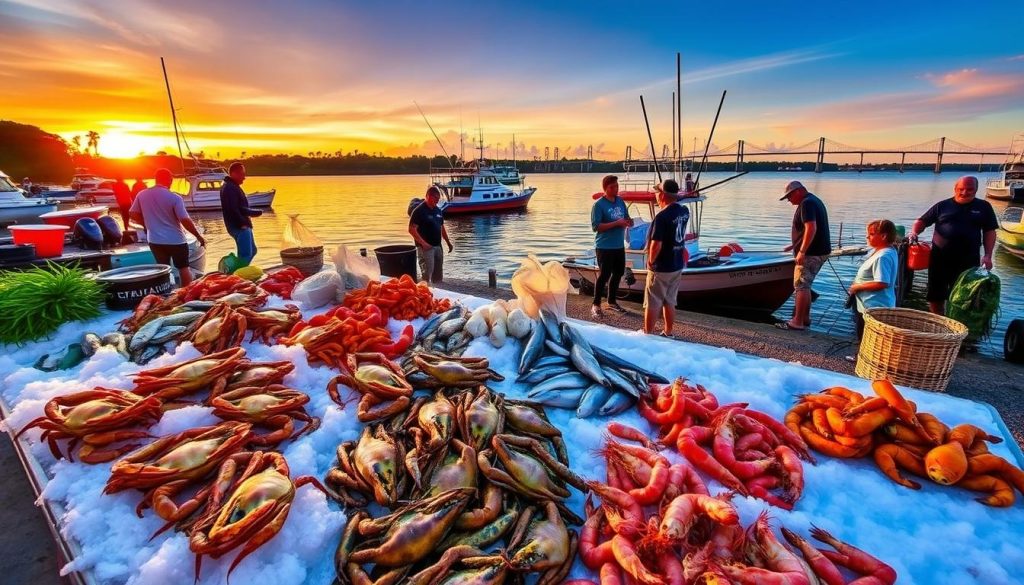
{"points": [[476, 189], [101, 193], [508, 175], [732, 281], [204, 192], [16, 208], [1009, 186], [85, 180]]}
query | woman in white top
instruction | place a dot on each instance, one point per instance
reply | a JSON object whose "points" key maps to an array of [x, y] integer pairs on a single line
{"points": [[875, 285]]}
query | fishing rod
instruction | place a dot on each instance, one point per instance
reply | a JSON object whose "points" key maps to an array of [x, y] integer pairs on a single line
{"points": [[654, 156], [445, 151], [174, 116], [704, 160], [736, 176]]}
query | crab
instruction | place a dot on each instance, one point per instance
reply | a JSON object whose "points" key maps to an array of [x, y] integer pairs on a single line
{"points": [[385, 391], [322, 343], [97, 418], [258, 374], [370, 466], [250, 510], [270, 323], [179, 380], [479, 416], [430, 422], [221, 328], [171, 463], [275, 406], [452, 372]]}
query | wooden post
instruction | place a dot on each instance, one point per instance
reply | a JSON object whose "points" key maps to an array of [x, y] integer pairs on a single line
{"points": [[492, 278], [362, 252]]}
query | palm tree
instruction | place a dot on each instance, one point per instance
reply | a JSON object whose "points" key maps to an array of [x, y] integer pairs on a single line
{"points": [[76, 142], [93, 142], [243, 154]]}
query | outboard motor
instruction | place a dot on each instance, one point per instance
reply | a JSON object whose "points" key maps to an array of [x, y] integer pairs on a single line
{"points": [[111, 230], [87, 234]]}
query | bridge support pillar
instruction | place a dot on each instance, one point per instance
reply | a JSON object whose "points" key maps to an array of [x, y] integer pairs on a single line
{"points": [[903, 159], [938, 160], [860, 168], [739, 156], [821, 155]]}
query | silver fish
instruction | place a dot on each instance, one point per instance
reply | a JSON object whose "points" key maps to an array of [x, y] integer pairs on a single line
{"points": [[592, 400], [566, 380], [618, 402], [621, 382], [90, 343], [555, 348], [533, 348], [450, 327], [537, 375], [144, 334], [167, 333], [148, 353], [437, 319], [199, 305], [609, 359], [550, 322], [185, 318], [454, 340], [117, 341], [438, 346], [573, 337], [586, 363], [551, 360], [563, 398]]}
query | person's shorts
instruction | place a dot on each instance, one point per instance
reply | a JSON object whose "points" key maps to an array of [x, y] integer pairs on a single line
{"points": [[175, 255], [804, 274], [661, 290], [944, 267]]}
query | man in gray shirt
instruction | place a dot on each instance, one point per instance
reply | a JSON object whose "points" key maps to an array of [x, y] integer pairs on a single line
{"points": [[162, 212]]}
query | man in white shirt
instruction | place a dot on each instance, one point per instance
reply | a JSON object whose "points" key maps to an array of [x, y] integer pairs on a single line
{"points": [[162, 212]]}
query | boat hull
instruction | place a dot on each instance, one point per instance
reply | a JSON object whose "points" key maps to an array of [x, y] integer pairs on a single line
{"points": [[1010, 239], [457, 207], [211, 201], [746, 288], [1013, 193], [27, 212]]}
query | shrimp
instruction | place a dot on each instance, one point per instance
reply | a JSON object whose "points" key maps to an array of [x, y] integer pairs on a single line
{"points": [[890, 458], [591, 553], [855, 559], [631, 434], [684, 479], [821, 400], [689, 446], [784, 433], [793, 472], [655, 488], [825, 569], [782, 566], [986, 463], [682, 512], [1000, 493], [627, 558], [724, 450], [632, 512]]}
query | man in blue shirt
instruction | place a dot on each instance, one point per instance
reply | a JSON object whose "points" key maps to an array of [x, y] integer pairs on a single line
{"points": [[609, 219], [426, 226], [665, 258], [235, 206], [812, 244]]}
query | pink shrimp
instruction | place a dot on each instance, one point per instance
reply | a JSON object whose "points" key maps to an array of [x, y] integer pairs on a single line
{"points": [[682, 512], [855, 559], [689, 446], [782, 432], [825, 569], [592, 554], [793, 472], [631, 563], [724, 450], [631, 434]]}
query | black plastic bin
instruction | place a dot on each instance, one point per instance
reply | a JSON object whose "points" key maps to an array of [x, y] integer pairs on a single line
{"points": [[397, 260]]}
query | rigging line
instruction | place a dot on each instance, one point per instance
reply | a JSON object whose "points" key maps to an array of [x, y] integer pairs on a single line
{"points": [[443, 149]]}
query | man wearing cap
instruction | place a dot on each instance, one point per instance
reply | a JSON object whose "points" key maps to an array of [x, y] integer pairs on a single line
{"points": [[665, 258], [811, 246], [426, 226], [609, 219], [963, 224]]}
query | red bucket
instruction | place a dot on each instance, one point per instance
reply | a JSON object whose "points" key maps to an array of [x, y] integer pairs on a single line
{"points": [[48, 239], [918, 256]]}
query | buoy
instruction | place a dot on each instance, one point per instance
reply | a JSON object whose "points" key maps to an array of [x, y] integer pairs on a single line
{"points": [[728, 249], [1013, 342]]}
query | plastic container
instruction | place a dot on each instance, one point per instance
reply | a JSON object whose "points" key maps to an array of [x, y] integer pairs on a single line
{"points": [[129, 285], [918, 256], [396, 260], [68, 217], [48, 239]]}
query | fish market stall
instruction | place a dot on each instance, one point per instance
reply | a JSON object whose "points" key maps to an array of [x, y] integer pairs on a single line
{"points": [[120, 521]]}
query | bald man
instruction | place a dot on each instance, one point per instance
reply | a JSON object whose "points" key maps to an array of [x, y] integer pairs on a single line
{"points": [[963, 224]]}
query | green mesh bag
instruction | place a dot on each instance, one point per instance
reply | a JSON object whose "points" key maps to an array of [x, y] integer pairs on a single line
{"points": [[974, 301]]}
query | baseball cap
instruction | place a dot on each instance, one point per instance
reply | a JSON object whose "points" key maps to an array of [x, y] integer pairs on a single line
{"points": [[790, 187], [669, 186]]}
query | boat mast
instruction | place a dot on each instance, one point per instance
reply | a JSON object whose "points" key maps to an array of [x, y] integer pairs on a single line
{"points": [[514, 150], [679, 112], [480, 134], [446, 157], [174, 116]]}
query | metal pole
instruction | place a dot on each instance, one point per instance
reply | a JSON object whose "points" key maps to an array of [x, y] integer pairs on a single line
{"points": [[703, 162], [673, 125], [492, 278], [938, 161], [679, 105], [650, 138], [174, 116]]}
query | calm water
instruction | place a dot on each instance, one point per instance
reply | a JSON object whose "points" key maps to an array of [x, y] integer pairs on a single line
{"points": [[371, 211]]}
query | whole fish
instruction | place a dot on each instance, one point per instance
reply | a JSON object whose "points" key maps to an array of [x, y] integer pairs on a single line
{"points": [[533, 347], [621, 382], [561, 398], [586, 363], [594, 397], [555, 348], [117, 341], [566, 380], [551, 360], [90, 343], [141, 337], [609, 359], [149, 352], [183, 318], [618, 402], [450, 327], [437, 319], [167, 333], [456, 341], [537, 375], [199, 305], [550, 322]]}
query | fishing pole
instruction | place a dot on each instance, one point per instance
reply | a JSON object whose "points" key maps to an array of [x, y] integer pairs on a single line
{"points": [[650, 138], [736, 176], [446, 157], [711, 135]]}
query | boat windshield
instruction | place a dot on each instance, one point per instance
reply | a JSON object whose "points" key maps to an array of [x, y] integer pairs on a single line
{"points": [[6, 186], [1012, 215]]}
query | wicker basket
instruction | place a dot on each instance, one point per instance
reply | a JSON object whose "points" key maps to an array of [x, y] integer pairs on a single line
{"points": [[910, 348], [309, 261]]}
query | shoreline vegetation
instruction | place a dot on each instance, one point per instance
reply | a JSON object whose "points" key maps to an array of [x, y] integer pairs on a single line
{"points": [[27, 150]]}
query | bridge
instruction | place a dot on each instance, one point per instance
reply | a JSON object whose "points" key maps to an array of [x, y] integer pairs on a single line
{"points": [[742, 150]]}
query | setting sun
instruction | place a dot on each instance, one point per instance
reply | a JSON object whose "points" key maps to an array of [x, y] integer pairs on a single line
{"points": [[120, 144]]}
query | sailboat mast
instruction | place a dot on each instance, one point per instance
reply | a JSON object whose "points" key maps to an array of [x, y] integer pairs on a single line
{"points": [[679, 109], [174, 116], [513, 150]]}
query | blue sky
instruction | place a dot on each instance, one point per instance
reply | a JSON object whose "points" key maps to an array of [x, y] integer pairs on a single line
{"points": [[298, 76]]}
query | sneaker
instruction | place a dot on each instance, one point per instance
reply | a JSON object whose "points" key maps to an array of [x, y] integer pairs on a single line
{"points": [[596, 312], [615, 307]]}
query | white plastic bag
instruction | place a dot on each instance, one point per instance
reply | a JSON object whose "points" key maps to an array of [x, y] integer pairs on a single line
{"points": [[297, 235], [356, 270], [637, 236], [540, 286], [320, 289]]}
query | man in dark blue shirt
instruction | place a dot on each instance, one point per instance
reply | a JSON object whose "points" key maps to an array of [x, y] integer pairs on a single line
{"points": [[235, 206], [962, 224], [426, 226], [665, 258], [812, 243]]}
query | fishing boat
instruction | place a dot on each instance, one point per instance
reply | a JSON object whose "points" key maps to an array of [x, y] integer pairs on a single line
{"points": [[732, 281], [508, 175], [476, 189], [101, 193], [16, 208], [1009, 185], [83, 179], [1010, 234], [204, 191]]}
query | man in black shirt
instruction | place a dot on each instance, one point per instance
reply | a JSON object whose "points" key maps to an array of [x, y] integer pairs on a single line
{"points": [[426, 226], [962, 224], [235, 206], [665, 258], [811, 246]]}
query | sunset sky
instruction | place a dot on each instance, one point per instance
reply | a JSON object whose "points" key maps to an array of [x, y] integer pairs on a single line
{"points": [[261, 76]]}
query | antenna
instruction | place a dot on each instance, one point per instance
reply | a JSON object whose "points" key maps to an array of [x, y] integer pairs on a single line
{"points": [[480, 134], [174, 116], [513, 150], [446, 157], [462, 142]]}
